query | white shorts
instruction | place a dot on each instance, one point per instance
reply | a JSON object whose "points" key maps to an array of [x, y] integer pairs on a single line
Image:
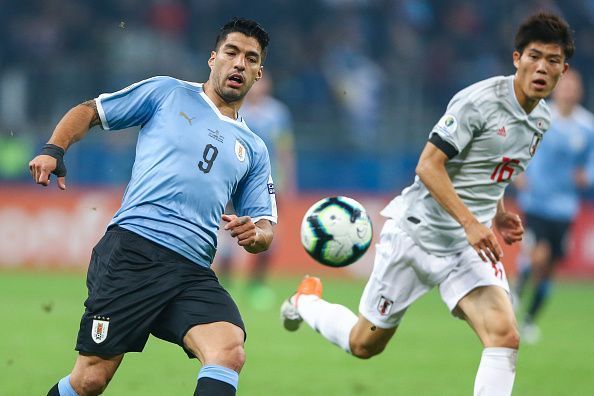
{"points": [[403, 272]]}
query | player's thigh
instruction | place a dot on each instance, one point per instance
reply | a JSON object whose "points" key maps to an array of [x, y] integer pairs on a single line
{"points": [[395, 282], [488, 311], [93, 372], [219, 343], [129, 284], [203, 304]]}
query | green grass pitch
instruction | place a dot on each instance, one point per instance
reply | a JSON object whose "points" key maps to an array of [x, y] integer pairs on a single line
{"points": [[431, 354]]}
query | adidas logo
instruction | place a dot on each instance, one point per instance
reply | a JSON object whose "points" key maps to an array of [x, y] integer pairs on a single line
{"points": [[501, 131]]}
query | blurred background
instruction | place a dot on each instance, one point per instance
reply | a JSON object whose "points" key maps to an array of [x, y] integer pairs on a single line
{"points": [[359, 83]]}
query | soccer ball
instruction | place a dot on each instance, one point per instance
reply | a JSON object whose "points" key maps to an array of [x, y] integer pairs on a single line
{"points": [[336, 231]]}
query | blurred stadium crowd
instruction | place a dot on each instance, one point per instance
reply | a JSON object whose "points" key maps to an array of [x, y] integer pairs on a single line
{"points": [[365, 79]]}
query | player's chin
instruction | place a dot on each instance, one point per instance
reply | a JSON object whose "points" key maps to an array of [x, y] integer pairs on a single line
{"points": [[233, 94]]}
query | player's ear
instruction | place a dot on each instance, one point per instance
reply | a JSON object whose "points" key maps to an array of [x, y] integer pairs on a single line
{"points": [[516, 56], [260, 73], [213, 55]]}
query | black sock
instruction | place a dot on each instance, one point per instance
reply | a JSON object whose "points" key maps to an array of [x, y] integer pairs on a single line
{"points": [[541, 294], [207, 386], [54, 391]]}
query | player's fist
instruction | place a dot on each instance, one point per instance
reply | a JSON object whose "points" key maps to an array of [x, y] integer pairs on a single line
{"points": [[509, 226], [242, 228], [41, 167]]}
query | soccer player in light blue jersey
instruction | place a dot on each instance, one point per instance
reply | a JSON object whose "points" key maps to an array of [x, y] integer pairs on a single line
{"points": [[150, 273], [550, 193]]}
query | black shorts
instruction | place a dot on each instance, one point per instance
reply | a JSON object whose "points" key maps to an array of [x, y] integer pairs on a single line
{"points": [[138, 287], [553, 232]]}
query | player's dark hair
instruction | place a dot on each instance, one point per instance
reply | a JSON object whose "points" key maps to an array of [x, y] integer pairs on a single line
{"points": [[546, 28], [248, 27]]}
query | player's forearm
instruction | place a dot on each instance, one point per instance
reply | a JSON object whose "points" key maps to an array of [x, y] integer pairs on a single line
{"points": [[264, 236], [75, 124], [435, 177]]}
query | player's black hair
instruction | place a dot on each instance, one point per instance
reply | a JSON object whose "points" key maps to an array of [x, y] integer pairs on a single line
{"points": [[246, 26], [546, 28]]}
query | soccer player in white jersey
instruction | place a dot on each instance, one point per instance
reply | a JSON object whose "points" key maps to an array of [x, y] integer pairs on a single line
{"points": [[439, 230], [150, 273], [549, 194]]}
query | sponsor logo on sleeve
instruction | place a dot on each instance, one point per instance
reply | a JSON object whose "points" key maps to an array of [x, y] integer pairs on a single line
{"points": [[271, 188], [447, 125]]}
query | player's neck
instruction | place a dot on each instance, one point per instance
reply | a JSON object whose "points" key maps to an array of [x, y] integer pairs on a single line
{"points": [[526, 103], [227, 109]]}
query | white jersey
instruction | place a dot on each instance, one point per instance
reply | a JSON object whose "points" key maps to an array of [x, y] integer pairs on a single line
{"points": [[495, 139]]}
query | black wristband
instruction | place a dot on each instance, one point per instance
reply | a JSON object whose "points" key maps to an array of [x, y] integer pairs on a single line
{"points": [[58, 153]]}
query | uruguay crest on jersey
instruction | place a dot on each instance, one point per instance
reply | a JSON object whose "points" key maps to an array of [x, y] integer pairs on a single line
{"points": [[239, 151]]}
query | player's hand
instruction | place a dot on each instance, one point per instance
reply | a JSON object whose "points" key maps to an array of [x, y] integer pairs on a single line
{"points": [[242, 228], [482, 239], [509, 226], [41, 167]]}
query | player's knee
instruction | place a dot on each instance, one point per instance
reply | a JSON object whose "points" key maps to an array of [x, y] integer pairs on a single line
{"points": [[364, 350], [232, 357], [507, 338], [91, 383]]}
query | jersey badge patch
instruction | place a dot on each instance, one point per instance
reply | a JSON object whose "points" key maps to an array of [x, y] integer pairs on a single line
{"points": [[501, 131], [447, 124], [239, 151], [384, 305], [535, 142], [99, 329]]}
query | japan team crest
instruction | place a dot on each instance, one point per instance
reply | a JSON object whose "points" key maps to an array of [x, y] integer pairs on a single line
{"points": [[239, 151], [99, 329], [384, 305]]}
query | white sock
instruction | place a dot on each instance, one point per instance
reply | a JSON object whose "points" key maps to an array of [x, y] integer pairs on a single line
{"points": [[496, 373], [333, 321]]}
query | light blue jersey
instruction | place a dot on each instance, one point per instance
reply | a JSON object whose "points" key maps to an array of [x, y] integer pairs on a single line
{"points": [[550, 190], [190, 161]]}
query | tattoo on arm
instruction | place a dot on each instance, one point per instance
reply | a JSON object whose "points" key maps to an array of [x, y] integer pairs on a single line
{"points": [[92, 105]]}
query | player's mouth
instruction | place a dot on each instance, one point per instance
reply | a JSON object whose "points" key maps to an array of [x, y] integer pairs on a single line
{"points": [[539, 83], [235, 80]]}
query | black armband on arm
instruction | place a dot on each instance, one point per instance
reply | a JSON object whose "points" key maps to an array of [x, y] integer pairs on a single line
{"points": [[58, 153], [444, 146]]}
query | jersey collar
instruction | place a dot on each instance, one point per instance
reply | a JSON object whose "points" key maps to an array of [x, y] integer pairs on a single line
{"points": [[239, 121]]}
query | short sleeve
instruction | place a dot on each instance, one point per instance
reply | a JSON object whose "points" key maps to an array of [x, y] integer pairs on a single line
{"points": [[133, 105], [255, 195], [459, 123]]}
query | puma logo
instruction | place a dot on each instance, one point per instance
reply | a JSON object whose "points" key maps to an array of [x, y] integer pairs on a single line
{"points": [[181, 113]]}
